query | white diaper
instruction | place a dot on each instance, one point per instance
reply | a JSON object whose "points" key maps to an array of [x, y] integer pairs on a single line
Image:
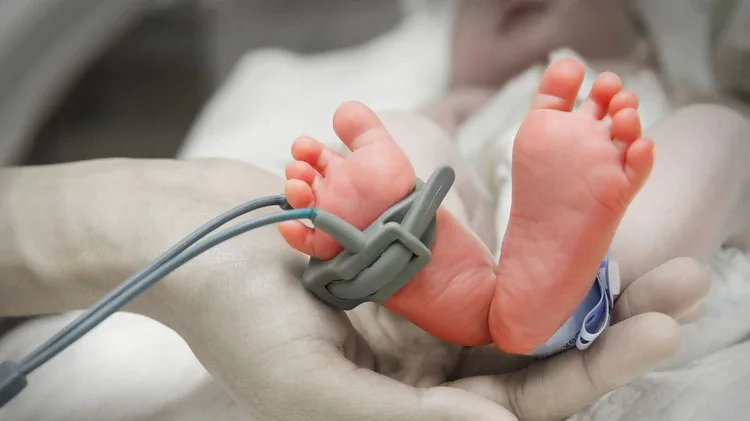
{"points": [[591, 317]]}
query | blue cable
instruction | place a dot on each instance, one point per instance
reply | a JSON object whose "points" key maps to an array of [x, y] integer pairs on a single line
{"points": [[13, 376], [178, 248]]}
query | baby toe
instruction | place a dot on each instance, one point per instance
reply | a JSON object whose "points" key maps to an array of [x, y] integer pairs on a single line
{"points": [[626, 126], [300, 170], [605, 87], [559, 86], [311, 151], [299, 194], [297, 235], [358, 126], [639, 160], [623, 100]]}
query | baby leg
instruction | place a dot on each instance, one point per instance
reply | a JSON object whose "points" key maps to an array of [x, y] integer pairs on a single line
{"points": [[698, 196]]}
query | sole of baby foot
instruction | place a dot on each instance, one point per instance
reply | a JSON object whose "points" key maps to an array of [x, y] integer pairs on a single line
{"points": [[574, 174], [358, 187]]}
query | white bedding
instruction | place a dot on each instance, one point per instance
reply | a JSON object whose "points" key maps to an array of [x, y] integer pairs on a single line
{"points": [[714, 388], [273, 97]]}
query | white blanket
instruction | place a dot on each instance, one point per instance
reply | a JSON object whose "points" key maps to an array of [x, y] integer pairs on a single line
{"points": [[274, 96]]}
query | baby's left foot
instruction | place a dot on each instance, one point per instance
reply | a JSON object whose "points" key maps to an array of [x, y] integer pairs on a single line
{"points": [[357, 188]]}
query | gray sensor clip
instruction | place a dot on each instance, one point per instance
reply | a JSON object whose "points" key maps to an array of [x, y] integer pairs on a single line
{"points": [[378, 261]]}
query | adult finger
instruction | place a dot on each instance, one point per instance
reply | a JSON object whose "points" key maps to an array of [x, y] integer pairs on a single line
{"points": [[563, 385], [674, 288]]}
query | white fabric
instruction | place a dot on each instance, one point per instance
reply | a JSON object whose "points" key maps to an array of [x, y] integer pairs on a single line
{"points": [[128, 368], [274, 96], [714, 388]]}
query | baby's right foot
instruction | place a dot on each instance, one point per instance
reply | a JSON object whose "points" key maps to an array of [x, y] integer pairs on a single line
{"points": [[574, 174]]}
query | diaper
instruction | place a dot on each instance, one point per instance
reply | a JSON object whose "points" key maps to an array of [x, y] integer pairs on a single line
{"points": [[591, 317]]}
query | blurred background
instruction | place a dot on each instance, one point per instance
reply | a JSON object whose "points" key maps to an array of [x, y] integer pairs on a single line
{"points": [[84, 79]]}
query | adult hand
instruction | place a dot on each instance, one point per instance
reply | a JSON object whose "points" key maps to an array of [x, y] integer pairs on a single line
{"points": [[644, 334], [242, 310]]}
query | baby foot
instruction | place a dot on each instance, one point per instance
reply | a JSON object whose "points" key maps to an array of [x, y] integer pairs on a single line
{"points": [[450, 298], [574, 174], [357, 188]]}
